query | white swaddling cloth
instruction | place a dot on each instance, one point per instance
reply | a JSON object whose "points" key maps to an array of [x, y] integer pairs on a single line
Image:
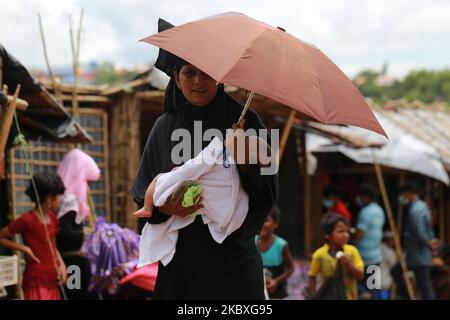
{"points": [[225, 203]]}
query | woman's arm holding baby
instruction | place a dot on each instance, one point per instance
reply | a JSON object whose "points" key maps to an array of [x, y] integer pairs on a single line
{"points": [[172, 207]]}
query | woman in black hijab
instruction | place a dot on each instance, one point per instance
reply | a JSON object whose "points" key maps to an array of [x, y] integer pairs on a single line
{"points": [[201, 268]]}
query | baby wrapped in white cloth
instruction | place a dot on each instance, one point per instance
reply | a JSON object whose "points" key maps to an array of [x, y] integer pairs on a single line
{"points": [[225, 203]]}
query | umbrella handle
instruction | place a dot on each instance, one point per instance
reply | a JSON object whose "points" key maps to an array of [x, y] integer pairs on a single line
{"points": [[247, 104]]}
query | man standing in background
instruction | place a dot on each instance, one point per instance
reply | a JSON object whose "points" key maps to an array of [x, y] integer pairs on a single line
{"points": [[369, 231]]}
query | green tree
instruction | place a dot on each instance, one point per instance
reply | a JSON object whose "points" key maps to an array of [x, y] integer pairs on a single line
{"points": [[424, 85]]}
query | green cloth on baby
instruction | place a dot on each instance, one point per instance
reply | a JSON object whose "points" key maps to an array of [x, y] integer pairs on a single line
{"points": [[191, 195]]}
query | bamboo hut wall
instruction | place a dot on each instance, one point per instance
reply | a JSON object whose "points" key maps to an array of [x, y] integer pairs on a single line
{"points": [[125, 156], [46, 156]]}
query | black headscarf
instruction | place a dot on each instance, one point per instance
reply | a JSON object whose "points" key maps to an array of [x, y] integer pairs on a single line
{"points": [[166, 61]]}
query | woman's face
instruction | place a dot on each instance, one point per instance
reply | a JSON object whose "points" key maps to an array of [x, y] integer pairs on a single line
{"points": [[197, 87]]}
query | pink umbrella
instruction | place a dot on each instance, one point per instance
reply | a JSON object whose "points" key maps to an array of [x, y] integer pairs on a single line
{"points": [[235, 49]]}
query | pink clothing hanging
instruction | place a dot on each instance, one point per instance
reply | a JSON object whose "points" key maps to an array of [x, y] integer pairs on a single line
{"points": [[76, 170]]}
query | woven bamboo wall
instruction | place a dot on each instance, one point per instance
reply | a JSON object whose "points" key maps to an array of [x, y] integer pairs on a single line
{"points": [[125, 155], [46, 156]]}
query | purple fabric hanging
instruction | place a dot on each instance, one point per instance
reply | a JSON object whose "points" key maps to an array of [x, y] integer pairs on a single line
{"points": [[113, 252]]}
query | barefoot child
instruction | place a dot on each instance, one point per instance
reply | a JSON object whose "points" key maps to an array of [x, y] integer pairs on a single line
{"points": [[276, 256], [336, 250], [45, 269]]}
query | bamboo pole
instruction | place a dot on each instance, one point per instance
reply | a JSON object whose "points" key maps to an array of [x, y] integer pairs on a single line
{"points": [[7, 121], [20, 103], [75, 57], [398, 249], [93, 216], [286, 130], [47, 61]]}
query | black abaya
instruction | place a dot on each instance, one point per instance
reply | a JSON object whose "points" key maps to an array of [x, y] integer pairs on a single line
{"points": [[202, 268]]}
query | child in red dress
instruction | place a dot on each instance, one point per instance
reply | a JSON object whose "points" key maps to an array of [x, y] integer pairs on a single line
{"points": [[45, 270]]}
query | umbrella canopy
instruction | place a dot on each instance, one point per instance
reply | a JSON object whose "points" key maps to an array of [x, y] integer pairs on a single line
{"points": [[235, 49]]}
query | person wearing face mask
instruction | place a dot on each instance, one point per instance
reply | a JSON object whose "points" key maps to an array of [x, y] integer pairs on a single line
{"points": [[418, 239], [332, 202], [369, 231]]}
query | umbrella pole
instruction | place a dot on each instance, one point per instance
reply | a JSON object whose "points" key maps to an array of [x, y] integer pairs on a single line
{"points": [[398, 249], [247, 105]]}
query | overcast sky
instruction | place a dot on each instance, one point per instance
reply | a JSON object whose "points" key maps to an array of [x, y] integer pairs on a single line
{"points": [[355, 34]]}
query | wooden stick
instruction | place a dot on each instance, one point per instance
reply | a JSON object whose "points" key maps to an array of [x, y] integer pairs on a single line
{"points": [[7, 121], [47, 61], [87, 98], [20, 103], [394, 230], [79, 35], [93, 215], [44, 47], [75, 73], [75, 58], [125, 86], [285, 136], [82, 89], [106, 164], [156, 95]]}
